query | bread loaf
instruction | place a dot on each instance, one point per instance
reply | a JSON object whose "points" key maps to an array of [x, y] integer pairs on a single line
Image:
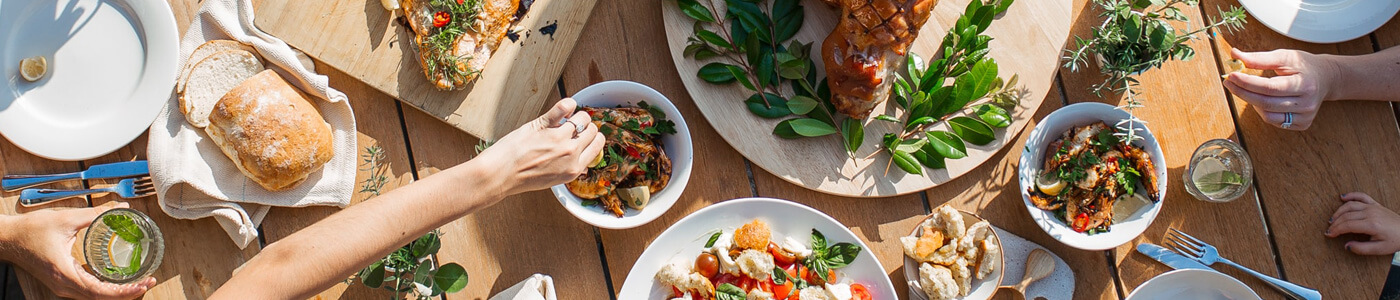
{"points": [[204, 51], [271, 131], [211, 78]]}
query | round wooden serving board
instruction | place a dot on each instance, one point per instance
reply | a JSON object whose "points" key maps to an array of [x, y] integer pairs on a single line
{"points": [[1028, 40]]}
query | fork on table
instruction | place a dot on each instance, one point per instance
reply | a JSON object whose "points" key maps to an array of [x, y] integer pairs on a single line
{"points": [[1208, 255], [127, 188]]}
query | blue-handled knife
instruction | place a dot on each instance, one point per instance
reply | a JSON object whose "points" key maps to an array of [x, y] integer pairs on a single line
{"points": [[104, 171], [1169, 257]]}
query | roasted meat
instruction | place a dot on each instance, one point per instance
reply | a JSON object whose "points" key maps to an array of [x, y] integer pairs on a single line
{"points": [[869, 42], [455, 38]]}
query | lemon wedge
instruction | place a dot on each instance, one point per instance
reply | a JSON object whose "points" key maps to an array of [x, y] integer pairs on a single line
{"points": [[1128, 205], [33, 68], [1050, 185], [597, 161], [636, 197], [390, 4], [120, 252]]}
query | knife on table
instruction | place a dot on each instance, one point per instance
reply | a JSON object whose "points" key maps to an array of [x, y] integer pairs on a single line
{"points": [[1170, 258], [103, 171]]}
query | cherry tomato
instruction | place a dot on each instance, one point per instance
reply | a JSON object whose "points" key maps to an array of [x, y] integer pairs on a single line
{"points": [[859, 292], [766, 285], [441, 19], [707, 264], [780, 256], [781, 291]]}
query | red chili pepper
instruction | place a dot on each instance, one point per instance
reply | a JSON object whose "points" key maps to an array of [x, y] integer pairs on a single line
{"points": [[441, 19], [632, 151], [1081, 222]]}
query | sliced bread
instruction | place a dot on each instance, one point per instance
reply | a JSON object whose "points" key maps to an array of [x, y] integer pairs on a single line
{"points": [[204, 51], [211, 78]]}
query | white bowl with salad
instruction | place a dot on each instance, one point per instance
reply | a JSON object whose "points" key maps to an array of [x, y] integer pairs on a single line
{"points": [[645, 164], [738, 247], [1083, 185]]}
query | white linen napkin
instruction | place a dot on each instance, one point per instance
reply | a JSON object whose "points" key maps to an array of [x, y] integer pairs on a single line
{"points": [[1014, 249], [535, 287], [195, 180]]}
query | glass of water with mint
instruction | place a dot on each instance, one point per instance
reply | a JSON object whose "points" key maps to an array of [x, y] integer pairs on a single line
{"points": [[1220, 171], [123, 245]]}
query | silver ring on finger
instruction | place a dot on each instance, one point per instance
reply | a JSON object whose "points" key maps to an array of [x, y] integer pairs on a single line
{"points": [[577, 129], [1287, 120]]}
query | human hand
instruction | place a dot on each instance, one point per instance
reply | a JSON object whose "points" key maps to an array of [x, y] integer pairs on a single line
{"points": [[1304, 80], [547, 151], [41, 243], [1362, 215]]}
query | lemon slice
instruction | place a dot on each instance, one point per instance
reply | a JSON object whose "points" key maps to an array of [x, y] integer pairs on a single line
{"points": [[1049, 184], [597, 161], [33, 68], [1128, 205], [120, 252], [390, 4], [636, 197]]}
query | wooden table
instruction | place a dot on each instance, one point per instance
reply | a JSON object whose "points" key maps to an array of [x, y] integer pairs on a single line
{"points": [[1277, 229]]}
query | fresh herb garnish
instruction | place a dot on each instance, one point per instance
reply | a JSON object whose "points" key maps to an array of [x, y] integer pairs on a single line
{"points": [[713, 238], [124, 227], [374, 163], [824, 259], [1217, 181], [779, 276], [927, 101], [730, 292], [1137, 36], [438, 46]]}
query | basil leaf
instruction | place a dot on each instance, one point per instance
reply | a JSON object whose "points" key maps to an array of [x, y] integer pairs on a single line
{"points": [[729, 292], [809, 127], [776, 107], [906, 162], [818, 242], [841, 254], [993, 115], [854, 134], [716, 73], [946, 144], [713, 238], [779, 276], [972, 130]]}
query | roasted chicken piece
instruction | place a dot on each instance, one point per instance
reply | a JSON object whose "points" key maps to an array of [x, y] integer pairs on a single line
{"points": [[452, 42], [869, 42]]}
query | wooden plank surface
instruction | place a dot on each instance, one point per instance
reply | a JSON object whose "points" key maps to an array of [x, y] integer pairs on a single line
{"points": [[14, 160], [718, 173], [379, 126], [1299, 175], [991, 191], [519, 236], [1184, 108], [1027, 41], [364, 40]]}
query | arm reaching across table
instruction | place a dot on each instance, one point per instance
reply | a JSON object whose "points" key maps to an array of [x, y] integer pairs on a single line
{"points": [[1305, 80], [540, 154]]}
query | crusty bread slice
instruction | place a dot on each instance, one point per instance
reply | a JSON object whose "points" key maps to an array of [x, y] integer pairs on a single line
{"points": [[211, 78], [204, 51]]}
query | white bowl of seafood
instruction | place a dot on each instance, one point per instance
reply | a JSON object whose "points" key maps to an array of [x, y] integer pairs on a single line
{"points": [[643, 168], [952, 254], [757, 248], [1083, 185]]}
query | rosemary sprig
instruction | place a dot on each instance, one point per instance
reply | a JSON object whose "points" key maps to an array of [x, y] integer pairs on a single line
{"points": [[373, 161]]}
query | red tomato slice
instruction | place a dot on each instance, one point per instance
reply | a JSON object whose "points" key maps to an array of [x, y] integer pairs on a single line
{"points": [[859, 292]]}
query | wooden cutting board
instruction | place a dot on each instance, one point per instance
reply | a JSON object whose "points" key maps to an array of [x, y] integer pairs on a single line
{"points": [[361, 38], [1028, 40]]}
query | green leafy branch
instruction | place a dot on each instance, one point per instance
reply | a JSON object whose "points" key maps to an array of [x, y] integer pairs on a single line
{"points": [[1136, 37], [409, 271], [373, 161], [753, 47], [928, 100]]}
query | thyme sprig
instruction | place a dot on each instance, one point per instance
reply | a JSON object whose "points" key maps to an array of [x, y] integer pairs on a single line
{"points": [[439, 45], [1137, 36]]}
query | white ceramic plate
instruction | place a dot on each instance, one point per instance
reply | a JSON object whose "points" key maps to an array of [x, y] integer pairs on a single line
{"points": [[1192, 284], [981, 288], [683, 241], [112, 66], [677, 146], [1322, 21], [1047, 131]]}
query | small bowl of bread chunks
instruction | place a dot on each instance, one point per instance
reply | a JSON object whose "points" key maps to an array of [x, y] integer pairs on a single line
{"points": [[269, 128], [952, 254]]}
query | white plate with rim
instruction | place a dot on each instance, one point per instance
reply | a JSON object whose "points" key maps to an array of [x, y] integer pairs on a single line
{"points": [[1047, 131], [983, 288], [1322, 21], [684, 240], [111, 67], [677, 147], [1192, 284]]}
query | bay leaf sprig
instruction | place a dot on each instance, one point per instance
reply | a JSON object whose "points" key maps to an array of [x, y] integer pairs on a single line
{"points": [[752, 45], [976, 101]]}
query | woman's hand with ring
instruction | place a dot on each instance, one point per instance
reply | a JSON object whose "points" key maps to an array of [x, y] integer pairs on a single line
{"points": [[545, 152], [1304, 81]]}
